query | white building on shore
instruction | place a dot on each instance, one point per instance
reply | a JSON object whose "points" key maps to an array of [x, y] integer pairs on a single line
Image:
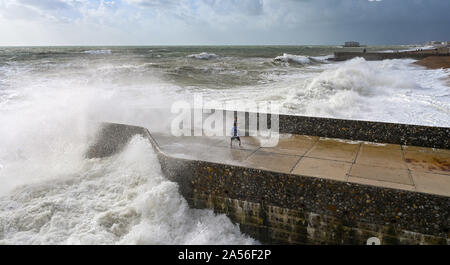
{"points": [[352, 44]]}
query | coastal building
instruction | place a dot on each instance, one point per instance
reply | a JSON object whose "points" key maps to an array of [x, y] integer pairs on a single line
{"points": [[351, 44], [438, 43]]}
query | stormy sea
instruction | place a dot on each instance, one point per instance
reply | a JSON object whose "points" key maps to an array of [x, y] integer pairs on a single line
{"points": [[52, 99]]}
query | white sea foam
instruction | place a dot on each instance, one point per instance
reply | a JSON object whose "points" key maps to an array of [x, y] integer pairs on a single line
{"points": [[390, 91], [359, 76], [301, 60], [123, 199], [203, 56], [289, 58]]}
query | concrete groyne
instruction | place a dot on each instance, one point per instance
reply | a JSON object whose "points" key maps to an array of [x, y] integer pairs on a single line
{"points": [[375, 56], [283, 208]]}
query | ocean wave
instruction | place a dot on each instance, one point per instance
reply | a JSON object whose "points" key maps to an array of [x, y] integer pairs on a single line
{"points": [[300, 59], [203, 56], [289, 58], [359, 76], [98, 52], [388, 90]]}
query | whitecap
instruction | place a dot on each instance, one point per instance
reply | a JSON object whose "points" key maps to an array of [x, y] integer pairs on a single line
{"points": [[289, 58], [203, 56]]}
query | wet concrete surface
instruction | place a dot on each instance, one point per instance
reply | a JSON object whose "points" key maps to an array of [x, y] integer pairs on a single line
{"points": [[394, 166]]}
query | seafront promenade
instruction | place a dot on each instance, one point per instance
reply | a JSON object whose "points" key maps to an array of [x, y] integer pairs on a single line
{"points": [[394, 166]]}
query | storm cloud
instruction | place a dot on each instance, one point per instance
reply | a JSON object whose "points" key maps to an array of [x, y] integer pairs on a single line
{"points": [[159, 22]]}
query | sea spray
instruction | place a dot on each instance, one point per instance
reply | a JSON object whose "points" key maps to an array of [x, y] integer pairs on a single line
{"points": [[389, 90], [52, 194], [123, 199]]}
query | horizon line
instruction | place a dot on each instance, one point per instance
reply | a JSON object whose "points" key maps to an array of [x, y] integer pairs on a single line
{"points": [[194, 45]]}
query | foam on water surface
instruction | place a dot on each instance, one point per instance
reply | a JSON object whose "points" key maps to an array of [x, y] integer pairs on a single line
{"points": [[123, 199]]}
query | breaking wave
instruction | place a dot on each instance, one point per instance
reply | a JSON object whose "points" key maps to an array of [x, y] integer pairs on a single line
{"points": [[300, 59], [389, 90], [124, 199], [359, 76], [203, 56]]}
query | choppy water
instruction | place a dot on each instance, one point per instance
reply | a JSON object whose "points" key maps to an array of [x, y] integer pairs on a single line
{"points": [[51, 97], [299, 79]]}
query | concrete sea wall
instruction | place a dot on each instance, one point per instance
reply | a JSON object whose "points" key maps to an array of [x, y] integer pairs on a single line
{"points": [[380, 132], [278, 208]]}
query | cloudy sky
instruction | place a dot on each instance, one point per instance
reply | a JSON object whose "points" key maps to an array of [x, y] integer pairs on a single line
{"points": [[234, 22]]}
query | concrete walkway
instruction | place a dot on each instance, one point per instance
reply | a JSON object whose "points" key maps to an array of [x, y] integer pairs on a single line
{"points": [[387, 165]]}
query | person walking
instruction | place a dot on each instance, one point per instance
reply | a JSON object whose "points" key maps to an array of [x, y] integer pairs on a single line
{"points": [[235, 134]]}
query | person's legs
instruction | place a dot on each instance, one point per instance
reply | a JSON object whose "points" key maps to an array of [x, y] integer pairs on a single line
{"points": [[231, 142], [239, 139]]}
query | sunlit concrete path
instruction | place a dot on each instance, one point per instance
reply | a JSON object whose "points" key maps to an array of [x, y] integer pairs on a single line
{"points": [[394, 166]]}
